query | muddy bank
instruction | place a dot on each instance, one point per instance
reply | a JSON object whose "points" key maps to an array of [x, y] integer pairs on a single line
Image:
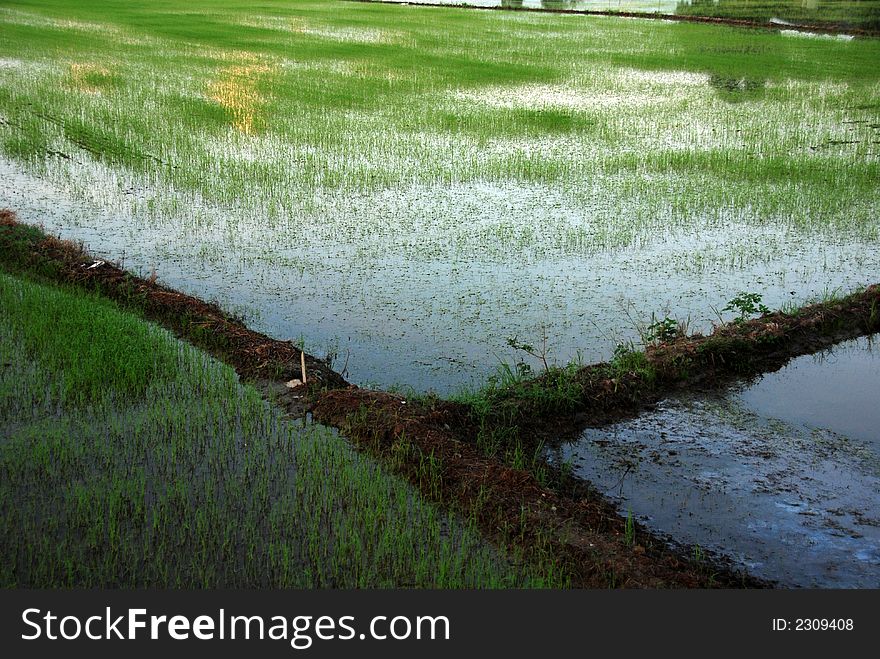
{"points": [[517, 421], [822, 28], [562, 402], [508, 424], [427, 441], [255, 356], [440, 445], [565, 519], [785, 497]]}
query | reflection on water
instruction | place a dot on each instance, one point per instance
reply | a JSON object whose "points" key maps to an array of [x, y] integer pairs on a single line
{"points": [[782, 476], [559, 4], [859, 14], [838, 390]]}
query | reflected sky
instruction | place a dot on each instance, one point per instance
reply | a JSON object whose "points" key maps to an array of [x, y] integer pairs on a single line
{"points": [[765, 474]]}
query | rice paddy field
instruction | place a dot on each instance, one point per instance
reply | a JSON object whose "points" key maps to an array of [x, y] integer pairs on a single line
{"points": [[409, 187], [130, 459], [413, 192]]}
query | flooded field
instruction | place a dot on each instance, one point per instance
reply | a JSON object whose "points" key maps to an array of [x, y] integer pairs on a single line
{"points": [[390, 322], [782, 475], [415, 191], [385, 185], [838, 390]]}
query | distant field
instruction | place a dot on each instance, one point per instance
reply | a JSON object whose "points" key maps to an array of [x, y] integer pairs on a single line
{"points": [[845, 13], [853, 13], [409, 187]]}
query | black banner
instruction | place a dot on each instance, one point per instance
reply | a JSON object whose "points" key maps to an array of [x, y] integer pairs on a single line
{"points": [[430, 623]]}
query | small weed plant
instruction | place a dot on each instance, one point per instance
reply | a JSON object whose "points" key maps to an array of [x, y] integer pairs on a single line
{"points": [[747, 304]]}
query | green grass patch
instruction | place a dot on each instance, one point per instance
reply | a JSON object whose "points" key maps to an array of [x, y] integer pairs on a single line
{"points": [[93, 347], [129, 459]]}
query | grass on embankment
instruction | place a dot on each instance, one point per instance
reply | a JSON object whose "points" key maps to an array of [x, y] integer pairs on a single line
{"points": [[472, 456], [129, 459], [517, 408]]}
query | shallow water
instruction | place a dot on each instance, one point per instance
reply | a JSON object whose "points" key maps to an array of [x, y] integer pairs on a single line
{"points": [[838, 390], [766, 474], [647, 6], [441, 321]]}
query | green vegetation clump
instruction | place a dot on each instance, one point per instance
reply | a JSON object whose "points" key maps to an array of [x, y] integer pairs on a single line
{"points": [[93, 348], [129, 459], [747, 304]]}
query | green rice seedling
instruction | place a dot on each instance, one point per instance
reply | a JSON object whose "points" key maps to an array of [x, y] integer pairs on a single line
{"points": [[416, 177], [106, 476], [630, 529], [629, 360]]}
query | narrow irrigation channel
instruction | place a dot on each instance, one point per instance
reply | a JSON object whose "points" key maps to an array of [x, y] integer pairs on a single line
{"points": [[484, 456]]}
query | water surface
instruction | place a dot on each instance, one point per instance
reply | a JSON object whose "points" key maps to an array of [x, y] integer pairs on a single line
{"points": [[782, 475], [441, 323], [837, 390]]}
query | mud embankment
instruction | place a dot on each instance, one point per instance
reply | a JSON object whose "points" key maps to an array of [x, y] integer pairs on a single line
{"points": [[434, 443], [26, 249], [562, 402]]}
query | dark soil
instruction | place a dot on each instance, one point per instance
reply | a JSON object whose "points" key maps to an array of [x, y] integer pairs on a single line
{"points": [[600, 394], [433, 442]]}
